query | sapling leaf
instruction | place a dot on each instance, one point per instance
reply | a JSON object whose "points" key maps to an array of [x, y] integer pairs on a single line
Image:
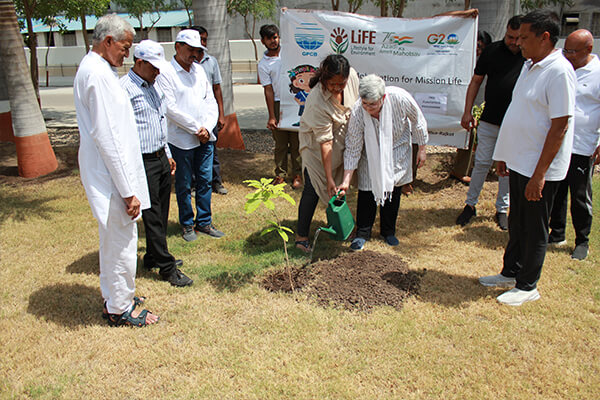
{"points": [[269, 204], [251, 206], [288, 198], [283, 235], [267, 230], [285, 228]]}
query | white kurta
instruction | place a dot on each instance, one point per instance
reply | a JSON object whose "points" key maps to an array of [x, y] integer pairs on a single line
{"points": [[111, 169], [110, 160]]}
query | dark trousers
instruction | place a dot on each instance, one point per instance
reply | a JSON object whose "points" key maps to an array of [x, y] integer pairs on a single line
{"points": [[216, 164], [579, 182], [286, 142], [366, 209], [158, 175], [528, 232], [306, 207]]}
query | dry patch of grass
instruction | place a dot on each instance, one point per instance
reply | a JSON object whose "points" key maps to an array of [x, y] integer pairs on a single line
{"points": [[225, 337]]}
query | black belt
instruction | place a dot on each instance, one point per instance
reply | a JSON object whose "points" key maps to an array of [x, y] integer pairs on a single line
{"points": [[154, 154]]}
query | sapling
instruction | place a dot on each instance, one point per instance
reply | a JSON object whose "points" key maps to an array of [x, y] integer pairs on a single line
{"points": [[264, 194]]}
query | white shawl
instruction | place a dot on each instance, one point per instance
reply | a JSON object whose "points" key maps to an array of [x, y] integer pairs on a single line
{"points": [[379, 153]]}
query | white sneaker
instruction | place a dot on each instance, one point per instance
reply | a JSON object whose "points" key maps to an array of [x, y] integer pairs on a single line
{"points": [[497, 281], [516, 297]]}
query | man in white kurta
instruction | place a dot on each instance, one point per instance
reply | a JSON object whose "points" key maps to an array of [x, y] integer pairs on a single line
{"points": [[110, 162]]}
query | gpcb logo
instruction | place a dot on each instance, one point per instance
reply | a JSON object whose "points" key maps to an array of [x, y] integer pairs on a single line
{"points": [[309, 37], [435, 38]]}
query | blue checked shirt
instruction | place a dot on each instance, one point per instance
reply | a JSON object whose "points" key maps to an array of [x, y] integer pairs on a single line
{"points": [[150, 112]]}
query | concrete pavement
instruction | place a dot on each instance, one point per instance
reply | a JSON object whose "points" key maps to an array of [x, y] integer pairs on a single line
{"points": [[248, 101]]}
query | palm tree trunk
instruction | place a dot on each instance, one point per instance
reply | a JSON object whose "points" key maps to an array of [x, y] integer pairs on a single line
{"points": [[6, 132], [35, 156], [212, 14]]}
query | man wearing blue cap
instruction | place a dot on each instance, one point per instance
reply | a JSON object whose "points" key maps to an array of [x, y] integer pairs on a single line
{"points": [[149, 108]]}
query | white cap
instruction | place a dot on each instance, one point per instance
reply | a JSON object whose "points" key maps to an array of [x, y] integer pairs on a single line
{"points": [[149, 50], [190, 37]]}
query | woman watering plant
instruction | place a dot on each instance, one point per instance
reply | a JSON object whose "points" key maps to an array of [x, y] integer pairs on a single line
{"points": [[334, 89]]}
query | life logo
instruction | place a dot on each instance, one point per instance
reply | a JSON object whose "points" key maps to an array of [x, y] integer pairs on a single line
{"points": [[309, 36], [443, 39], [339, 40]]}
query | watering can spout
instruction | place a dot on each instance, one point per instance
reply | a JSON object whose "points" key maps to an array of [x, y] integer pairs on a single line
{"points": [[329, 230]]}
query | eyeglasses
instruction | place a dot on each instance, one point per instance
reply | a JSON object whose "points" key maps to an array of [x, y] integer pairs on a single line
{"points": [[371, 105], [565, 51]]}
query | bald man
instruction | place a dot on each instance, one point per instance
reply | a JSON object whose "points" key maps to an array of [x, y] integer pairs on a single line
{"points": [[578, 50]]}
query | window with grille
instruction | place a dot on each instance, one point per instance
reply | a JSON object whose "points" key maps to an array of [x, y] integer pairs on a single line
{"points": [[595, 26], [140, 35], [164, 35], [50, 39], [570, 23], [69, 39]]}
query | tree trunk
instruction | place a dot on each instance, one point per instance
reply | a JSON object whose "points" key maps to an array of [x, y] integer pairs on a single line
{"points": [[212, 14], [383, 8], [6, 131], [35, 156], [399, 10], [86, 40], [32, 44]]}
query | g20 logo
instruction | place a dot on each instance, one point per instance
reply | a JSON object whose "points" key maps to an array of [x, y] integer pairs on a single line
{"points": [[434, 38]]}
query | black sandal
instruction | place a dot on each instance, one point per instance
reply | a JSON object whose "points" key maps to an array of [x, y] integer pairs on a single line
{"points": [[127, 319], [136, 302], [303, 245]]}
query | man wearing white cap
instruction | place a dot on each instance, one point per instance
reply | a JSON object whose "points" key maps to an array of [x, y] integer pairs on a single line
{"points": [[110, 162], [192, 114], [149, 109]]}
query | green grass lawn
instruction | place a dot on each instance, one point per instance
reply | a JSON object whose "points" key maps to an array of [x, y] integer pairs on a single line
{"points": [[227, 338]]}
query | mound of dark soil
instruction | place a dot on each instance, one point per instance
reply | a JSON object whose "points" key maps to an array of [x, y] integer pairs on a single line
{"points": [[360, 280]]}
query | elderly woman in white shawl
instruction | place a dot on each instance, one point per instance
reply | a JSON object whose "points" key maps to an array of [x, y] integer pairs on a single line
{"points": [[383, 125]]}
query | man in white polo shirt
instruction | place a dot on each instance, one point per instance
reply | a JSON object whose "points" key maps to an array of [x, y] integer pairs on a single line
{"points": [[534, 148], [578, 50]]}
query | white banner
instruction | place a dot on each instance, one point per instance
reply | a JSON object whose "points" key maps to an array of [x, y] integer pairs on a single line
{"points": [[432, 58]]}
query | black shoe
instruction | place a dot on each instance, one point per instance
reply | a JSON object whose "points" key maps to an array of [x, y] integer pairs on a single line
{"points": [[209, 230], [581, 252], [219, 188], [465, 216], [178, 278], [502, 221], [149, 266]]}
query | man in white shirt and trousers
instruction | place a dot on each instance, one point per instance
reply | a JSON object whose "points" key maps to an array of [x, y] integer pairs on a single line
{"points": [[192, 114], [111, 168], [534, 148], [578, 50]]}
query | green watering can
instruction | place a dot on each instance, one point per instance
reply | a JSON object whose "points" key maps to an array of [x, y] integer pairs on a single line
{"points": [[339, 218]]}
